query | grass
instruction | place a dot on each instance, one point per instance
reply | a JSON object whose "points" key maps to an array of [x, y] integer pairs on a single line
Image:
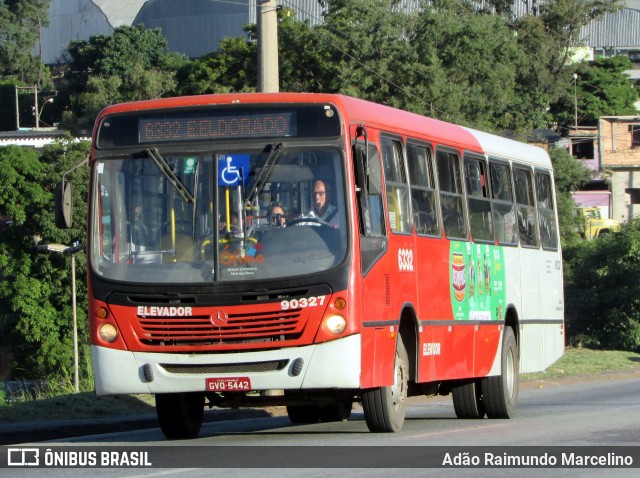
{"points": [[75, 406], [580, 361], [63, 404]]}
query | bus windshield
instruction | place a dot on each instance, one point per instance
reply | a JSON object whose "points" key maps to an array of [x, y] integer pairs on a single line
{"points": [[227, 215]]}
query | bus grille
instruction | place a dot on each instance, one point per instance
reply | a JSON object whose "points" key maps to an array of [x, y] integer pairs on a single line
{"points": [[204, 330], [209, 369]]}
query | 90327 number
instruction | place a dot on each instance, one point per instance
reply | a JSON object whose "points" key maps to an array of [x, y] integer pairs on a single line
{"points": [[303, 302]]}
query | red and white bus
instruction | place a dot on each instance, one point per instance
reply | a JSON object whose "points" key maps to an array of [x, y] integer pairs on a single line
{"points": [[438, 271]]}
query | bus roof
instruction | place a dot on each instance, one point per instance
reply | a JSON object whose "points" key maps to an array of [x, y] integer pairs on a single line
{"points": [[509, 149], [359, 111]]}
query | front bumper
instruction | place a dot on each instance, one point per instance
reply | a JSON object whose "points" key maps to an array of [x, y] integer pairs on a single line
{"points": [[334, 364]]}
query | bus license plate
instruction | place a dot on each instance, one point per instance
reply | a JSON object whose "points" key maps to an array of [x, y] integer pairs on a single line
{"points": [[228, 384]]}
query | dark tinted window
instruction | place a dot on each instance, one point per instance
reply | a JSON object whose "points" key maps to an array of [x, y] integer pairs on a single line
{"points": [[478, 202], [546, 212], [398, 208], [451, 199], [423, 193], [527, 217], [504, 211]]}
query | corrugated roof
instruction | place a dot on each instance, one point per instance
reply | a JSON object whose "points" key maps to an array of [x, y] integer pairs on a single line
{"points": [[543, 135], [619, 29], [119, 12]]}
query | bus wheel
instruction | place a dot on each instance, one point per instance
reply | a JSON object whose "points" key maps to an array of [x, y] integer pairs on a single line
{"points": [[467, 400], [500, 394], [180, 414], [303, 413], [385, 407]]}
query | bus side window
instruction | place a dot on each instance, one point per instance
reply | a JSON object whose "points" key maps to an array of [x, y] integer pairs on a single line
{"points": [[451, 194], [370, 205], [546, 212], [504, 213], [475, 170], [423, 191], [527, 217], [398, 207], [372, 224]]}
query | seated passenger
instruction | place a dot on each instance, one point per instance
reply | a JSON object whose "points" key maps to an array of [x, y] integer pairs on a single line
{"points": [[277, 215]]}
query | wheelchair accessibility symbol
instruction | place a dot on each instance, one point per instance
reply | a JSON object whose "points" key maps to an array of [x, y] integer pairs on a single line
{"points": [[233, 169]]}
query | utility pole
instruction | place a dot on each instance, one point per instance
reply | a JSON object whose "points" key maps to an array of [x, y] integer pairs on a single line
{"points": [[267, 20], [575, 97]]}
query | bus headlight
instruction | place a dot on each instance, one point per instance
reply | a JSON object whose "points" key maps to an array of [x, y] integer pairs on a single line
{"points": [[108, 332], [335, 324]]}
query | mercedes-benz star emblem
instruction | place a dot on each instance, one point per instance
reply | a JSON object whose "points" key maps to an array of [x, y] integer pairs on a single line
{"points": [[219, 318]]}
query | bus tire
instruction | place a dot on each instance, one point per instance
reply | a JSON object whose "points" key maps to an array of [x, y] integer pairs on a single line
{"points": [[180, 414], [385, 407], [467, 400], [500, 394]]}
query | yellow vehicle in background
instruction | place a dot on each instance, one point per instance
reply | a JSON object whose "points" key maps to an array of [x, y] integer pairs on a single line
{"points": [[594, 225]]}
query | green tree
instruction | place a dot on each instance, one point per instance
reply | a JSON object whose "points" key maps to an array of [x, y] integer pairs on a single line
{"points": [[602, 89], [549, 40], [230, 69], [132, 64], [473, 56], [369, 48], [562, 21], [570, 175], [20, 24], [602, 303], [35, 293], [304, 62]]}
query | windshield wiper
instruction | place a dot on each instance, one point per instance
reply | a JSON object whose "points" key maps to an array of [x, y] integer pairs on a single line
{"points": [[265, 172], [164, 167]]}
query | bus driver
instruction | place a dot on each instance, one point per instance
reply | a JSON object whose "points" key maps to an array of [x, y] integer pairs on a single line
{"points": [[322, 209]]}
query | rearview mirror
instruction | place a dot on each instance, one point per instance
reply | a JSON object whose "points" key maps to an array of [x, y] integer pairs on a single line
{"points": [[63, 204]]}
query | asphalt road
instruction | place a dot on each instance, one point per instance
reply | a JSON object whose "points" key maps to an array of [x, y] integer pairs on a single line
{"points": [[541, 397], [580, 415]]}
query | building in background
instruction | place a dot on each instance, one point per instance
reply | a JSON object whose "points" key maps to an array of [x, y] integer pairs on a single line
{"points": [[582, 143], [616, 33], [619, 146], [195, 27]]}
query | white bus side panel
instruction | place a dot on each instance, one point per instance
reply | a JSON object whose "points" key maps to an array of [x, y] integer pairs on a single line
{"points": [[513, 296], [541, 316]]}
